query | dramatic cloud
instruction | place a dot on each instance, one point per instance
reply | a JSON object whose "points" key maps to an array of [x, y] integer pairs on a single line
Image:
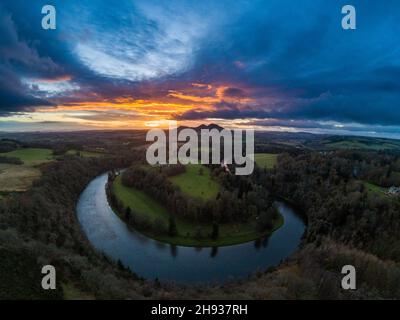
{"points": [[17, 58], [265, 63]]}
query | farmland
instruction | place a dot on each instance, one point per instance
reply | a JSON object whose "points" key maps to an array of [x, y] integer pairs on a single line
{"points": [[31, 156], [83, 153], [266, 160], [196, 182], [18, 178]]}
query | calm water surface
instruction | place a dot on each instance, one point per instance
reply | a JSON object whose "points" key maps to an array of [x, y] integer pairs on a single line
{"points": [[152, 259]]}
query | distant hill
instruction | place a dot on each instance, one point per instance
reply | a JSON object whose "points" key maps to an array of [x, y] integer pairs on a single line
{"points": [[210, 127], [278, 141], [361, 143], [203, 126]]}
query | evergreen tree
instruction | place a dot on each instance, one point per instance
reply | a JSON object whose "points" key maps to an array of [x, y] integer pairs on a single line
{"points": [[172, 231], [128, 212], [215, 231]]}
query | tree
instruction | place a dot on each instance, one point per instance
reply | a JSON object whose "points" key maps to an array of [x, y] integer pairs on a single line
{"points": [[264, 221], [160, 226], [172, 230], [128, 212], [198, 233], [120, 265], [215, 231]]}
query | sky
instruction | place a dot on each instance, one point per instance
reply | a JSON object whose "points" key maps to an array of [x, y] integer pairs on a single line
{"points": [[268, 65]]}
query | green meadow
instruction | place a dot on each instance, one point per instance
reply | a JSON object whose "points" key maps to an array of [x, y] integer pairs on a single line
{"points": [[266, 160], [19, 178], [196, 182], [85, 154], [139, 201], [31, 156], [364, 144], [373, 188]]}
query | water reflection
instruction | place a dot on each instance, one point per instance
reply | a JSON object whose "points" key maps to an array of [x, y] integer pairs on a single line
{"points": [[265, 242], [214, 252], [173, 250]]}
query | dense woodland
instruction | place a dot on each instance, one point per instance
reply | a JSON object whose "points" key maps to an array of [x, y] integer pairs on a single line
{"points": [[330, 189], [347, 224]]}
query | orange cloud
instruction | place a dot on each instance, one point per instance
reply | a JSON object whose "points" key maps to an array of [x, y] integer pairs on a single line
{"points": [[202, 85], [193, 98], [52, 80], [152, 111]]}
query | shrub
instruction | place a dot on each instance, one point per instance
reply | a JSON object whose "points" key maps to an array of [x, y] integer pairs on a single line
{"points": [[11, 160], [160, 226], [172, 230]]}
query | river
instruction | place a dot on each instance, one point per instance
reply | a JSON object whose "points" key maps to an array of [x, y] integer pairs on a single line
{"points": [[152, 259]]}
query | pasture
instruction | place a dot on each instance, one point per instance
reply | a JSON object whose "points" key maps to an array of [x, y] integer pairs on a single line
{"points": [[84, 154], [139, 201], [373, 188], [19, 178], [31, 156], [196, 182], [266, 160], [365, 144]]}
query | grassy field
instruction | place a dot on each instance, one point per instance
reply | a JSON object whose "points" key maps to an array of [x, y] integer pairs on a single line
{"points": [[228, 233], [266, 160], [72, 293], [363, 145], [31, 156], [19, 178], [196, 182], [139, 201], [374, 188], [16, 178], [85, 154]]}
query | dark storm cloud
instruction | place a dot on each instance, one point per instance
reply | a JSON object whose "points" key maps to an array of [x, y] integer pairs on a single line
{"points": [[17, 58], [304, 52], [234, 92], [365, 110]]}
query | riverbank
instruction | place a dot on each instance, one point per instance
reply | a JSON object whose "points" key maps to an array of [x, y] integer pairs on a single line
{"points": [[188, 233]]}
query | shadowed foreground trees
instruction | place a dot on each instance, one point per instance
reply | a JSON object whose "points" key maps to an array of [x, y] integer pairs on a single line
{"points": [[347, 225]]}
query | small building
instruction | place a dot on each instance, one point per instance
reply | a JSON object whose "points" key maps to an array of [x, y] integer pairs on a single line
{"points": [[225, 166], [394, 191]]}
